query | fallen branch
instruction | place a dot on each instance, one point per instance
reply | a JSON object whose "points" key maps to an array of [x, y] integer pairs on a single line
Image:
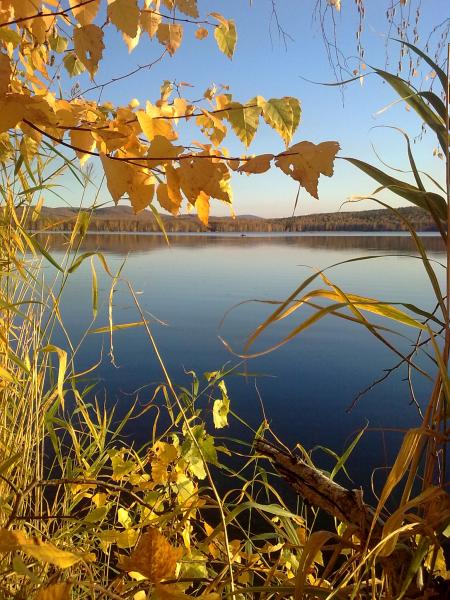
{"points": [[318, 490]]}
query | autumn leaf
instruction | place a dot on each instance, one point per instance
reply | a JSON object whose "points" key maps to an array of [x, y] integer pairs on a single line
{"points": [[12, 110], [150, 22], [204, 175], [13, 540], [152, 125], [202, 207], [132, 42], [55, 591], [162, 456], [226, 37], [86, 13], [84, 141], [5, 73], [154, 557], [188, 7], [282, 114], [89, 46], [161, 150], [142, 189], [124, 14], [170, 36], [257, 164], [119, 176], [201, 33], [305, 161], [244, 121], [221, 408]]}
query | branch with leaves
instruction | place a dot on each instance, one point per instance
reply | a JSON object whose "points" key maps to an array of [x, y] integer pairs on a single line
{"points": [[138, 144]]}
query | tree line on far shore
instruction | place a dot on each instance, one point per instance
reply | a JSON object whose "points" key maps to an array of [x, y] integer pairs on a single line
{"points": [[122, 218]]}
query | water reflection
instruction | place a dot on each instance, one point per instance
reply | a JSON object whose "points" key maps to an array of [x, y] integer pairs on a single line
{"points": [[129, 242]]}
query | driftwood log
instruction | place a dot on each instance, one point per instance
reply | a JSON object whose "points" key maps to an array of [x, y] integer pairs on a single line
{"points": [[320, 491]]}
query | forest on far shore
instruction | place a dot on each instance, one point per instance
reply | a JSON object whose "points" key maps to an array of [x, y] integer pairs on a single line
{"points": [[123, 219]]}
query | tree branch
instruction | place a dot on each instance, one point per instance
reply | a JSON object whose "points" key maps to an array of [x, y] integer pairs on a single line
{"points": [[318, 490]]}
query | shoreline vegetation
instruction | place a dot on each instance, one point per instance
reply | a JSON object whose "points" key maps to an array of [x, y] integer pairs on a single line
{"points": [[123, 219]]}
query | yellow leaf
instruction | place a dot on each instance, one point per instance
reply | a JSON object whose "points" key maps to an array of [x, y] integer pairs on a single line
{"points": [[202, 207], [84, 14], [211, 126], [124, 518], [154, 557], [205, 175], [13, 540], [165, 200], [150, 22], [188, 7], [124, 14], [119, 176], [305, 161], [161, 150], [55, 591], [84, 141], [244, 120], [226, 37], [132, 42], [12, 110], [170, 36], [234, 163], [142, 189], [5, 73], [282, 114], [201, 33], [152, 125], [180, 105], [162, 456], [257, 164], [110, 139], [41, 28], [88, 45], [127, 538]]}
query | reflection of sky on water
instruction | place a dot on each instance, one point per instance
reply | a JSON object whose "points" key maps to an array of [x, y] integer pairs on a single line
{"points": [[311, 381]]}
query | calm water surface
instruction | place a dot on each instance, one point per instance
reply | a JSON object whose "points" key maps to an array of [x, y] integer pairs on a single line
{"points": [[307, 385]]}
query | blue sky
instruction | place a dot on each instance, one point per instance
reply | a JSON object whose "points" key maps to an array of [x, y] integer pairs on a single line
{"points": [[264, 65]]}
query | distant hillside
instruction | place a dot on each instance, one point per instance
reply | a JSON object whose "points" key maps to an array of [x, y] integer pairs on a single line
{"points": [[122, 218]]}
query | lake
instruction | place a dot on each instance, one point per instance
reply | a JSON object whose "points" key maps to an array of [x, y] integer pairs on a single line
{"points": [[307, 385]]}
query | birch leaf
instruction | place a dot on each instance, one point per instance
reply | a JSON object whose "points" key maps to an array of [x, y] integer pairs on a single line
{"points": [[141, 190], [226, 37], [119, 176], [202, 207], [150, 22], [188, 7], [124, 14], [306, 161], [282, 114], [201, 33], [5, 73], [244, 121], [257, 164], [84, 14], [170, 36], [154, 557], [221, 408], [89, 46]]}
